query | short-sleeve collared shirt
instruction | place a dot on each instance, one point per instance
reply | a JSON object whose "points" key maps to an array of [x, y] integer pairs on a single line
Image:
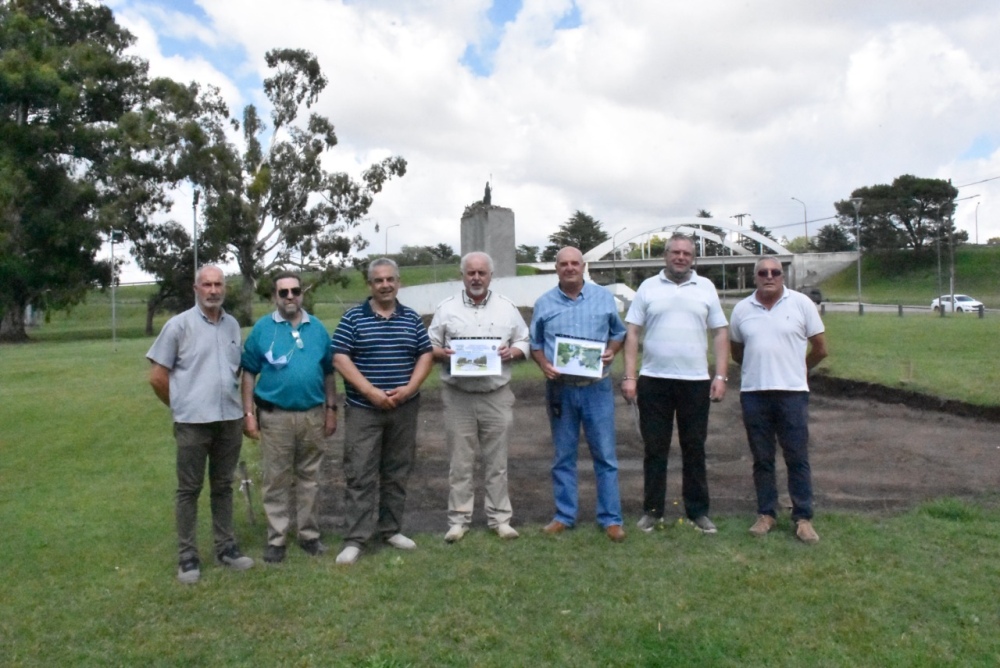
{"points": [[292, 369], [384, 350], [496, 317], [593, 315], [204, 362], [775, 341], [675, 318]]}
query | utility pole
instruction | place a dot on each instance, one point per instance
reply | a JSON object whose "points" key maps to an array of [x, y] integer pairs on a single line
{"points": [[194, 212], [741, 280]]}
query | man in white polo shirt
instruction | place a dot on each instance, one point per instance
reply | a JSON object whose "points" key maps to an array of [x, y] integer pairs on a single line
{"points": [[777, 336], [672, 312]]}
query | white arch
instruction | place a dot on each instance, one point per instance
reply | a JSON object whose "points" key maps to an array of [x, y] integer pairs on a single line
{"points": [[692, 225]]}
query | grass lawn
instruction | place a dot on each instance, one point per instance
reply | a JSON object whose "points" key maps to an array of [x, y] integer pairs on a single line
{"points": [[86, 497]]}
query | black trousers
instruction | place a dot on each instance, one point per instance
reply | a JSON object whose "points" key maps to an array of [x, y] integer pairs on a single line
{"points": [[659, 400]]}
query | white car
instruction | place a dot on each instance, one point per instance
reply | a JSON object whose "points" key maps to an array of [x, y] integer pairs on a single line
{"points": [[962, 303]]}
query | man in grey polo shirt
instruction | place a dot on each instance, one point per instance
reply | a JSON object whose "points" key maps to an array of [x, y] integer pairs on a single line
{"points": [[478, 409], [196, 372]]}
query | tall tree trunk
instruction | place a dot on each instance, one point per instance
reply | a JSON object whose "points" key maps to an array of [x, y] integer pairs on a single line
{"points": [[12, 325]]}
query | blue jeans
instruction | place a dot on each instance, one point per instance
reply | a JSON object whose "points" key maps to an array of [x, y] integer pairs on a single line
{"points": [[593, 406], [783, 417]]}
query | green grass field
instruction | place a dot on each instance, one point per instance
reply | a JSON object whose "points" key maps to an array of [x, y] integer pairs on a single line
{"points": [[86, 495]]}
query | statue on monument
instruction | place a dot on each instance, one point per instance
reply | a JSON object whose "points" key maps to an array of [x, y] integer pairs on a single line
{"points": [[487, 196]]}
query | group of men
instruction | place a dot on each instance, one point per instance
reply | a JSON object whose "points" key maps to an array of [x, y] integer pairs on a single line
{"points": [[279, 388]]}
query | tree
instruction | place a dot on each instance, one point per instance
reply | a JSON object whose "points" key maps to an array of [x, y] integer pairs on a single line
{"points": [[912, 212], [833, 238], [580, 231], [280, 208], [65, 85], [524, 253]]}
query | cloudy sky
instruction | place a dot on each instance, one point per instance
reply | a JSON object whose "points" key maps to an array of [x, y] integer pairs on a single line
{"points": [[632, 111]]}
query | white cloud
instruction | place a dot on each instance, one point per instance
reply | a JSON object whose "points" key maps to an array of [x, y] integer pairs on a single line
{"points": [[647, 109]]}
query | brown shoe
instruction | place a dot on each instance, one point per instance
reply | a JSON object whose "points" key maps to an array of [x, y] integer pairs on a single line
{"points": [[763, 524], [554, 527], [804, 531], [615, 533]]}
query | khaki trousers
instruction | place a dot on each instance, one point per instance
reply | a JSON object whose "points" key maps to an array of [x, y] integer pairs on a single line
{"points": [[291, 449], [485, 420]]}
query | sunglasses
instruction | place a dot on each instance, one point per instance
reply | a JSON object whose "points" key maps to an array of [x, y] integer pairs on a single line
{"points": [[772, 273], [283, 292]]}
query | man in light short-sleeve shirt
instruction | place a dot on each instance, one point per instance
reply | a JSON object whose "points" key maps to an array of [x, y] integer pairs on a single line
{"points": [[776, 335]]}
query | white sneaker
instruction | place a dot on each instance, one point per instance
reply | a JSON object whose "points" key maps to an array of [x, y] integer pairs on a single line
{"points": [[455, 533], [349, 555], [401, 542], [506, 531]]}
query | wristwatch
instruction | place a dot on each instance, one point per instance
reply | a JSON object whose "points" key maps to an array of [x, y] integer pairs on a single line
{"points": [[724, 379]]}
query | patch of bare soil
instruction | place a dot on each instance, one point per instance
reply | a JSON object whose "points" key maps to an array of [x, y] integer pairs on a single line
{"points": [[871, 449]]}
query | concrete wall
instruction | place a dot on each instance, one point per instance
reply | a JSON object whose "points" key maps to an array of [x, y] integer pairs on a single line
{"points": [[490, 229], [812, 268]]}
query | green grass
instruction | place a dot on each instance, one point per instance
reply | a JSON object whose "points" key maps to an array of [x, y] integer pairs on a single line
{"points": [[946, 357], [912, 280], [86, 495]]}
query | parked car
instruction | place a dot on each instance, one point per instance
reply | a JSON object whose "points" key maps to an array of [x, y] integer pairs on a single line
{"points": [[812, 293], [963, 303]]}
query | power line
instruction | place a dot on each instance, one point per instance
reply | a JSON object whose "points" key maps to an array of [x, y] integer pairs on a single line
{"points": [[966, 185]]}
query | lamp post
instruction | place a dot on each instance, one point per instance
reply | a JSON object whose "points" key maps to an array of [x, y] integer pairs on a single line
{"points": [[805, 219], [194, 216], [856, 201], [977, 222], [387, 237], [614, 256]]}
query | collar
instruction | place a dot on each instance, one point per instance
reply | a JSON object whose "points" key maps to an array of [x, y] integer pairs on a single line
{"points": [[222, 314], [366, 308], [467, 300], [784, 295], [277, 317], [667, 279]]}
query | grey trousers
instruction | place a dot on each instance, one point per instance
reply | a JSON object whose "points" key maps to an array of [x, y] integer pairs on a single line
{"points": [[216, 444], [379, 447]]}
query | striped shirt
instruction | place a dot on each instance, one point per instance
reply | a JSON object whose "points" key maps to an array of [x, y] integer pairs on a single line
{"points": [[385, 350]]}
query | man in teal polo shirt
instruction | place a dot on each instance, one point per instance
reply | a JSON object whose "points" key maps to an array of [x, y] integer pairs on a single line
{"points": [[288, 353]]}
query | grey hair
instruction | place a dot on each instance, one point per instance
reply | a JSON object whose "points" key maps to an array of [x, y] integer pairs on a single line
{"points": [[465, 259], [767, 258], [202, 268], [678, 236], [383, 262]]}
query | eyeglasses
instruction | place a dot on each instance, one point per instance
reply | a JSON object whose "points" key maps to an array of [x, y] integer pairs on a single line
{"points": [[283, 292], [772, 273]]}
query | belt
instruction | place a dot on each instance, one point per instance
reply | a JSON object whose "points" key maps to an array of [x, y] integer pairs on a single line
{"points": [[579, 382]]}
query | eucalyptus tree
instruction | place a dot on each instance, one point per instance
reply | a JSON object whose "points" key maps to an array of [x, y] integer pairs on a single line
{"points": [[279, 207]]}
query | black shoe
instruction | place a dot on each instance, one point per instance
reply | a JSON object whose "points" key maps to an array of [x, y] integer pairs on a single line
{"points": [[189, 571], [274, 554], [313, 547], [234, 559]]}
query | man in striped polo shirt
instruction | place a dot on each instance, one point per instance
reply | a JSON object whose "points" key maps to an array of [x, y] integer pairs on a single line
{"points": [[382, 350]]}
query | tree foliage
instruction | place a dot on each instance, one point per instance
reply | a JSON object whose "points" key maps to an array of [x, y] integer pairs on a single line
{"points": [[833, 238], [581, 231], [753, 245], [911, 212], [279, 207], [525, 253], [66, 166]]}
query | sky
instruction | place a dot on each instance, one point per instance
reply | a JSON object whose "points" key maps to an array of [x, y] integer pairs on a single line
{"points": [[632, 111]]}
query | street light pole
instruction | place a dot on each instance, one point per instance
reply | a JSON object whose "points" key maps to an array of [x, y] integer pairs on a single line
{"points": [[805, 219], [856, 201], [614, 256], [977, 222], [387, 237], [194, 212]]}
